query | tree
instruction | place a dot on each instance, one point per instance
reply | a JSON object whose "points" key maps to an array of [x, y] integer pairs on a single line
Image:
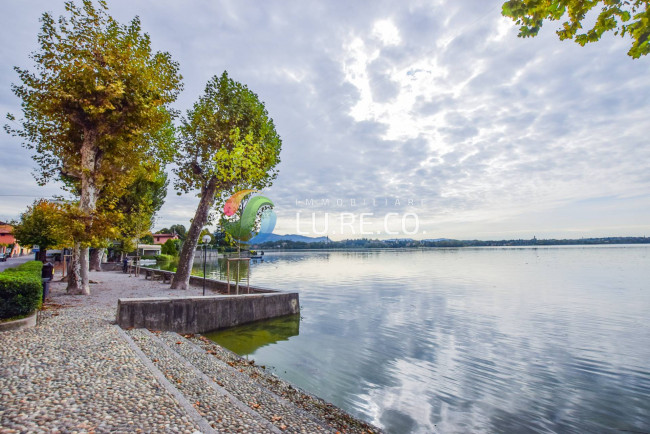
{"points": [[96, 106], [82, 232], [221, 238], [178, 230], [147, 239], [169, 248], [624, 17], [227, 142], [133, 212], [41, 225]]}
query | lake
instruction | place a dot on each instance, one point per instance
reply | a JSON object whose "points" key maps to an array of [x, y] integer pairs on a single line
{"points": [[548, 339]]}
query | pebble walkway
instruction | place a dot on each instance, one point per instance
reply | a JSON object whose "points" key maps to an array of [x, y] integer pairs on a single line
{"points": [[77, 372]]}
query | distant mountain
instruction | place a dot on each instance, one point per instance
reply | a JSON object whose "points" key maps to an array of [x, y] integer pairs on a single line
{"points": [[263, 238]]}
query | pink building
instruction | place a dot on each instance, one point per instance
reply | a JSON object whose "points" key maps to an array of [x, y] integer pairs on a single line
{"points": [[162, 238], [7, 238]]}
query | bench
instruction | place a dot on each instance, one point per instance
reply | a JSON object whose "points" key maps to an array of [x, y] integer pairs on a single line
{"points": [[152, 274], [167, 276], [164, 276]]}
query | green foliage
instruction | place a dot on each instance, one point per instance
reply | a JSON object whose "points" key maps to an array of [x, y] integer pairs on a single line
{"points": [[21, 290], [88, 230], [133, 212], [163, 258], [148, 257], [205, 231], [178, 230], [95, 108], [621, 16], [169, 248], [95, 80], [227, 139], [147, 239], [223, 239], [227, 142], [43, 224], [28, 267]]}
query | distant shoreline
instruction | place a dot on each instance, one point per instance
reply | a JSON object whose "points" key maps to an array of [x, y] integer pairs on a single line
{"points": [[408, 243]]}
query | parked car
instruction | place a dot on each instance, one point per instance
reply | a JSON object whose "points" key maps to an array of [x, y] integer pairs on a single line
{"points": [[3, 257]]}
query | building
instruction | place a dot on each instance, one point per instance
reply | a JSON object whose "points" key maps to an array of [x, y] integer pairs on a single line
{"points": [[7, 239], [162, 238], [148, 250]]}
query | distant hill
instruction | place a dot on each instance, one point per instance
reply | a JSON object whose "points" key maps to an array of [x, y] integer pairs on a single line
{"points": [[265, 238]]}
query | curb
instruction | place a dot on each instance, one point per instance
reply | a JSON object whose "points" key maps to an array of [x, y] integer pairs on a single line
{"points": [[19, 324]]}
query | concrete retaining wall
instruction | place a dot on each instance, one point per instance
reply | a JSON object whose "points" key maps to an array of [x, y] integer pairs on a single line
{"points": [[203, 314], [19, 324]]}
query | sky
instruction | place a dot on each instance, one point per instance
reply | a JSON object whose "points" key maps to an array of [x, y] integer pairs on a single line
{"points": [[398, 119]]}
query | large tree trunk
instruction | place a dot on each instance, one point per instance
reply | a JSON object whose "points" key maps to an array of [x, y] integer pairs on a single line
{"points": [[96, 259], [181, 279], [84, 265], [42, 256], [87, 204], [75, 285]]}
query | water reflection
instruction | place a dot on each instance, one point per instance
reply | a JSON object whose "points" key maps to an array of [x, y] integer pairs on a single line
{"points": [[471, 340], [215, 268], [245, 340]]}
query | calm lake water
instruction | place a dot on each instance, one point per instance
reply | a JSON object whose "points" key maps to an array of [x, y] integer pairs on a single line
{"points": [[553, 339]]}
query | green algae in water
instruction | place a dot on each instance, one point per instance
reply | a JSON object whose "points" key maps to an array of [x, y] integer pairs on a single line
{"points": [[246, 339]]}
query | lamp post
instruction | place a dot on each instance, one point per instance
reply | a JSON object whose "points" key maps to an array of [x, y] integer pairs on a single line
{"points": [[206, 239]]}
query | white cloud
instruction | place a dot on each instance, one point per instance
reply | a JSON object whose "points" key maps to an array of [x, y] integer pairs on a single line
{"points": [[386, 32], [438, 101]]}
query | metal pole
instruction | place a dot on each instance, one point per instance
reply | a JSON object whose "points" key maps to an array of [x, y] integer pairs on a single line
{"points": [[204, 253]]}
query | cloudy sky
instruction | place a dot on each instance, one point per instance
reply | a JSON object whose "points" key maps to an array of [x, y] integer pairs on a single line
{"points": [[421, 119]]}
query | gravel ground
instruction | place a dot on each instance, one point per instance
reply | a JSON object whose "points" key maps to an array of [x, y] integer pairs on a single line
{"points": [[77, 372], [107, 286], [74, 373]]}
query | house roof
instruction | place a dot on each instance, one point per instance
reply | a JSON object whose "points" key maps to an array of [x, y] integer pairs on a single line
{"points": [[149, 246]]}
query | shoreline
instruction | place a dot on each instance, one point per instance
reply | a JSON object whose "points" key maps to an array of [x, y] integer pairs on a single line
{"points": [[78, 371]]}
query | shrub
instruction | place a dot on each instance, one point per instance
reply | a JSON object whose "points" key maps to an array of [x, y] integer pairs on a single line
{"points": [[148, 257], [21, 290], [29, 267], [164, 258], [169, 248]]}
